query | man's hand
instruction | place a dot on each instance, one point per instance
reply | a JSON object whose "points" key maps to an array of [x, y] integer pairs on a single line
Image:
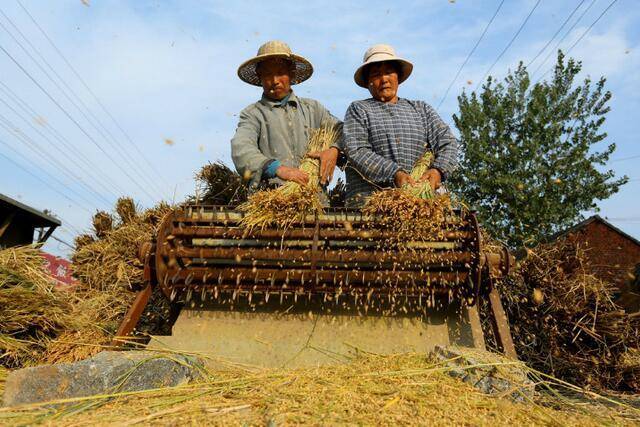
{"points": [[328, 159], [286, 173], [402, 178], [434, 177]]}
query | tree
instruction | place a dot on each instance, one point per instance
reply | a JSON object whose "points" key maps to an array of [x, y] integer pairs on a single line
{"points": [[529, 164]]}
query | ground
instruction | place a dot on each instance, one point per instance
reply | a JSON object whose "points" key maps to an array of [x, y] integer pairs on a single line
{"points": [[372, 390]]}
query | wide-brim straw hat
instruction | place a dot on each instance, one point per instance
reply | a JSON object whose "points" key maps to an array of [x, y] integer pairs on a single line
{"points": [[382, 53], [275, 49]]}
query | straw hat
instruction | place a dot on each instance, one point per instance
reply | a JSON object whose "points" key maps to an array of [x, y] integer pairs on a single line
{"points": [[275, 49], [382, 53]]}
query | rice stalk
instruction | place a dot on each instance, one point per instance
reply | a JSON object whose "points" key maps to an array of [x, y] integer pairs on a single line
{"points": [[291, 202], [405, 389]]}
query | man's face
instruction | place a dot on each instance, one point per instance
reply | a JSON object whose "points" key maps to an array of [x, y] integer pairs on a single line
{"points": [[383, 81], [275, 76]]}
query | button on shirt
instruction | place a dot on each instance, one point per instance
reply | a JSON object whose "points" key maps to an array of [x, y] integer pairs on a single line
{"points": [[381, 139], [269, 130]]}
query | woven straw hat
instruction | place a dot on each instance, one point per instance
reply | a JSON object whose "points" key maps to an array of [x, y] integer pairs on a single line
{"points": [[275, 49], [382, 53]]}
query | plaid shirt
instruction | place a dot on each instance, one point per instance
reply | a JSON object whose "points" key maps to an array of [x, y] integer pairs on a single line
{"points": [[382, 138]]}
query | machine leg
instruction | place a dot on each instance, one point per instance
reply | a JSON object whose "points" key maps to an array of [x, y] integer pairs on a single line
{"points": [[500, 325], [133, 315], [473, 317]]}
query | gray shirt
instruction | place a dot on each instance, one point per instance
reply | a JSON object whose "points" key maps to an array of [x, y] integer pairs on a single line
{"points": [[269, 131]]}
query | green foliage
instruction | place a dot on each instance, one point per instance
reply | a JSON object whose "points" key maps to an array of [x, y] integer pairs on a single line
{"points": [[529, 164]]}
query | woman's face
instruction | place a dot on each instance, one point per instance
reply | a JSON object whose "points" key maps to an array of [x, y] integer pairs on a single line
{"points": [[383, 81]]}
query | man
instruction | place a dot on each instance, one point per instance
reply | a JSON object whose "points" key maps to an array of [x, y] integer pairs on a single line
{"points": [[384, 136], [272, 134]]}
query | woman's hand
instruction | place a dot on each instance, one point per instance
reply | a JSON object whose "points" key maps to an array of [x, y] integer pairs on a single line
{"points": [[328, 159], [286, 173]]}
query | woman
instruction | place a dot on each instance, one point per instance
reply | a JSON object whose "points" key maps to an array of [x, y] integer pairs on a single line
{"points": [[384, 136]]}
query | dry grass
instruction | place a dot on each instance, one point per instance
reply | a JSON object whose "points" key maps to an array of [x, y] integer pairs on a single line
{"points": [[219, 185], [407, 389], [30, 311], [291, 202], [567, 322], [110, 259]]}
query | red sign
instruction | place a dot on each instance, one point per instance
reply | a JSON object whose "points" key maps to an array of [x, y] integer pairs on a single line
{"points": [[60, 269]]}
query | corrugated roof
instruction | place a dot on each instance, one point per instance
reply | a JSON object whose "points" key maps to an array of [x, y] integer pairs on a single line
{"points": [[39, 219]]}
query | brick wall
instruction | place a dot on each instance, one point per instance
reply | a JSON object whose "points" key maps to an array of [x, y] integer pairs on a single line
{"points": [[612, 257]]}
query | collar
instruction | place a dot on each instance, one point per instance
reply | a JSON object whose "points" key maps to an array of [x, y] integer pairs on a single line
{"points": [[290, 99]]}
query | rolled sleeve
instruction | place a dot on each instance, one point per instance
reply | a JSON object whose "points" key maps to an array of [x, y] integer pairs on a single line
{"points": [[443, 143], [359, 149], [245, 153]]}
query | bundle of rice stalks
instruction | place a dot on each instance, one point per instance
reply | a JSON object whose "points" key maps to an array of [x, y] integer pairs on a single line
{"points": [[126, 209], [413, 212], [565, 321], [291, 202], [421, 189], [102, 223], [110, 262], [219, 185]]}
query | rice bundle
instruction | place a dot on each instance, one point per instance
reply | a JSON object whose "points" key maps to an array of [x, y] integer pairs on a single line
{"points": [[126, 209], [219, 185], [291, 202], [567, 322], [102, 223], [421, 189], [413, 212]]}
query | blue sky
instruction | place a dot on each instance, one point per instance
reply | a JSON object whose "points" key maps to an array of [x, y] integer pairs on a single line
{"points": [[167, 70]]}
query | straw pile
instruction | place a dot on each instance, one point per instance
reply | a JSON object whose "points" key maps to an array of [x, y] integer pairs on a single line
{"points": [[30, 312], [219, 185], [291, 202], [405, 389], [40, 324], [566, 322], [108, 260]]}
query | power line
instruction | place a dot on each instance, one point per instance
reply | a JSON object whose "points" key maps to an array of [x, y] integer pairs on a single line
{"points": [[93, 141], [556, 33], [115, 145], [46, 157], [46, 183], [62, 241], [583, 34], [29, 111], [555, 48], [620, 159], [95, 97], [515, 36], [470, 53], [592, 25], [76, 164]]}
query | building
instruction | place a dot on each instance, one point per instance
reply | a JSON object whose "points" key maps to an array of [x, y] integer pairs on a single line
{"points": [[23, 225], [613, 255]]}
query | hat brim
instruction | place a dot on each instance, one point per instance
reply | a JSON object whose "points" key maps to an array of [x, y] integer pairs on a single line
{"points": [[247, 70], [406, 68]]}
